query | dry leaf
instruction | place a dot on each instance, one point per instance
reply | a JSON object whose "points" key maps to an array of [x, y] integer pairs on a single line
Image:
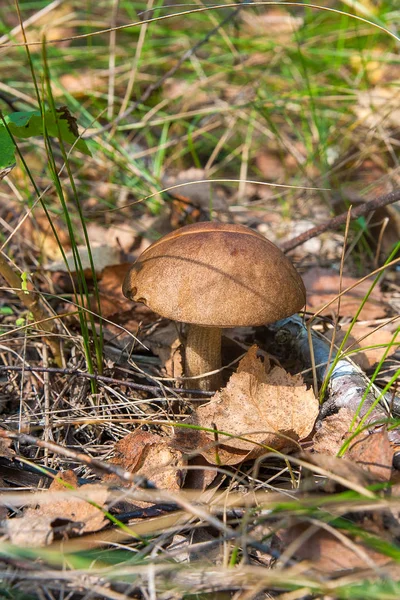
{"points": [[37, 525], [379, 107], [323, 285], [56, 23], [118, 235], [38, 230], [362, 337], [153, 457], [329, 438], [82, 83], [112, 300], [270, 410], [270, 164], [103, 256], [164, 342], [372, 451], [275, 22], [5, 450], [327, 552], [341, 468], [201, 194]]}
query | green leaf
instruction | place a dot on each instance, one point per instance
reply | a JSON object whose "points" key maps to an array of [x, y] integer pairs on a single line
{"points": [[27, 124], [7, 150]]}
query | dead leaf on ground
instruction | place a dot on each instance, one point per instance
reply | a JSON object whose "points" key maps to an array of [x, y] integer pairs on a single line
{"points": [[81, 83], [119, 235], [362, 337], [270, 164], [379, 107], [164, 342], [329, 438], [323, 285], [327, 552], [150, 456], [56, 23], [201, 194], [37, 229], [339, 472], [274, 22], [112, 300], [271, 410], [37, 526], [103, 256], [5, 450], [372, 451]]}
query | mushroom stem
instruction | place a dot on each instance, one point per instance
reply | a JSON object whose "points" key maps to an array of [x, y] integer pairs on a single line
{"points": [[203, 354]]}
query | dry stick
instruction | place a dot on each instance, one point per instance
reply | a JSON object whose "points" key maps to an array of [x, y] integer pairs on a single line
{"points": [[103, 378], [93, 463], [337, 222], [34, 304]]}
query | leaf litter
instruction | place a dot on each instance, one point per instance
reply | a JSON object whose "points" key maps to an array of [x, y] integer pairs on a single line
{"points": [[80, 512], [262, 410]]}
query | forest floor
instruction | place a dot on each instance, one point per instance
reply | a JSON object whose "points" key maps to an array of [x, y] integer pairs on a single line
{"points": [[122, 122]]}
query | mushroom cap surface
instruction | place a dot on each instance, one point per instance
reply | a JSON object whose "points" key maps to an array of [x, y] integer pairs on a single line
{"points": [[216, 275]]}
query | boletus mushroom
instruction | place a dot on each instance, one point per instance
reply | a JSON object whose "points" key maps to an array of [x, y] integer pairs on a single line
{"points": [[210, 276]]}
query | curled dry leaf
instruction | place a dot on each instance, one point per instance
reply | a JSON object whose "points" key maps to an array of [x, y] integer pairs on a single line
{"points": [[80, 511], [270, 410], [323, 285], [150, 456]]}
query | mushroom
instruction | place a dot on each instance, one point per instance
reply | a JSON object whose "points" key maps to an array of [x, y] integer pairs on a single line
{"points": [[210, 276]]}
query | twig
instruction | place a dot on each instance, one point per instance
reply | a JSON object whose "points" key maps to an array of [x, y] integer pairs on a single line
{"points": [[337, 222], [93, 463], [347, 383], [104, 379]]}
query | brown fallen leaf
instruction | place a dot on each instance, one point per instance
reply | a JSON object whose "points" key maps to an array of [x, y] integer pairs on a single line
{"points": [[5, 450], [81, 511], [323, 285], [112, 300], [363, 337], [37, 229], [379, 106], [339, 472], [164, 342], [271, 410], [82, 83], [328, 551], [372, 451], [200, 194], [334, 430], [274, 22], [150, 456], [102, 255]]}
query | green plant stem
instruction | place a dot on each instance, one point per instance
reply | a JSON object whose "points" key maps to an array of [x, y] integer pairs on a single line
{"points": [[33, 303]]}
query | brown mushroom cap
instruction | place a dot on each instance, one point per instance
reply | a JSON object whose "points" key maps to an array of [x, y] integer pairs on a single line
{"points": [[216, 275]]}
